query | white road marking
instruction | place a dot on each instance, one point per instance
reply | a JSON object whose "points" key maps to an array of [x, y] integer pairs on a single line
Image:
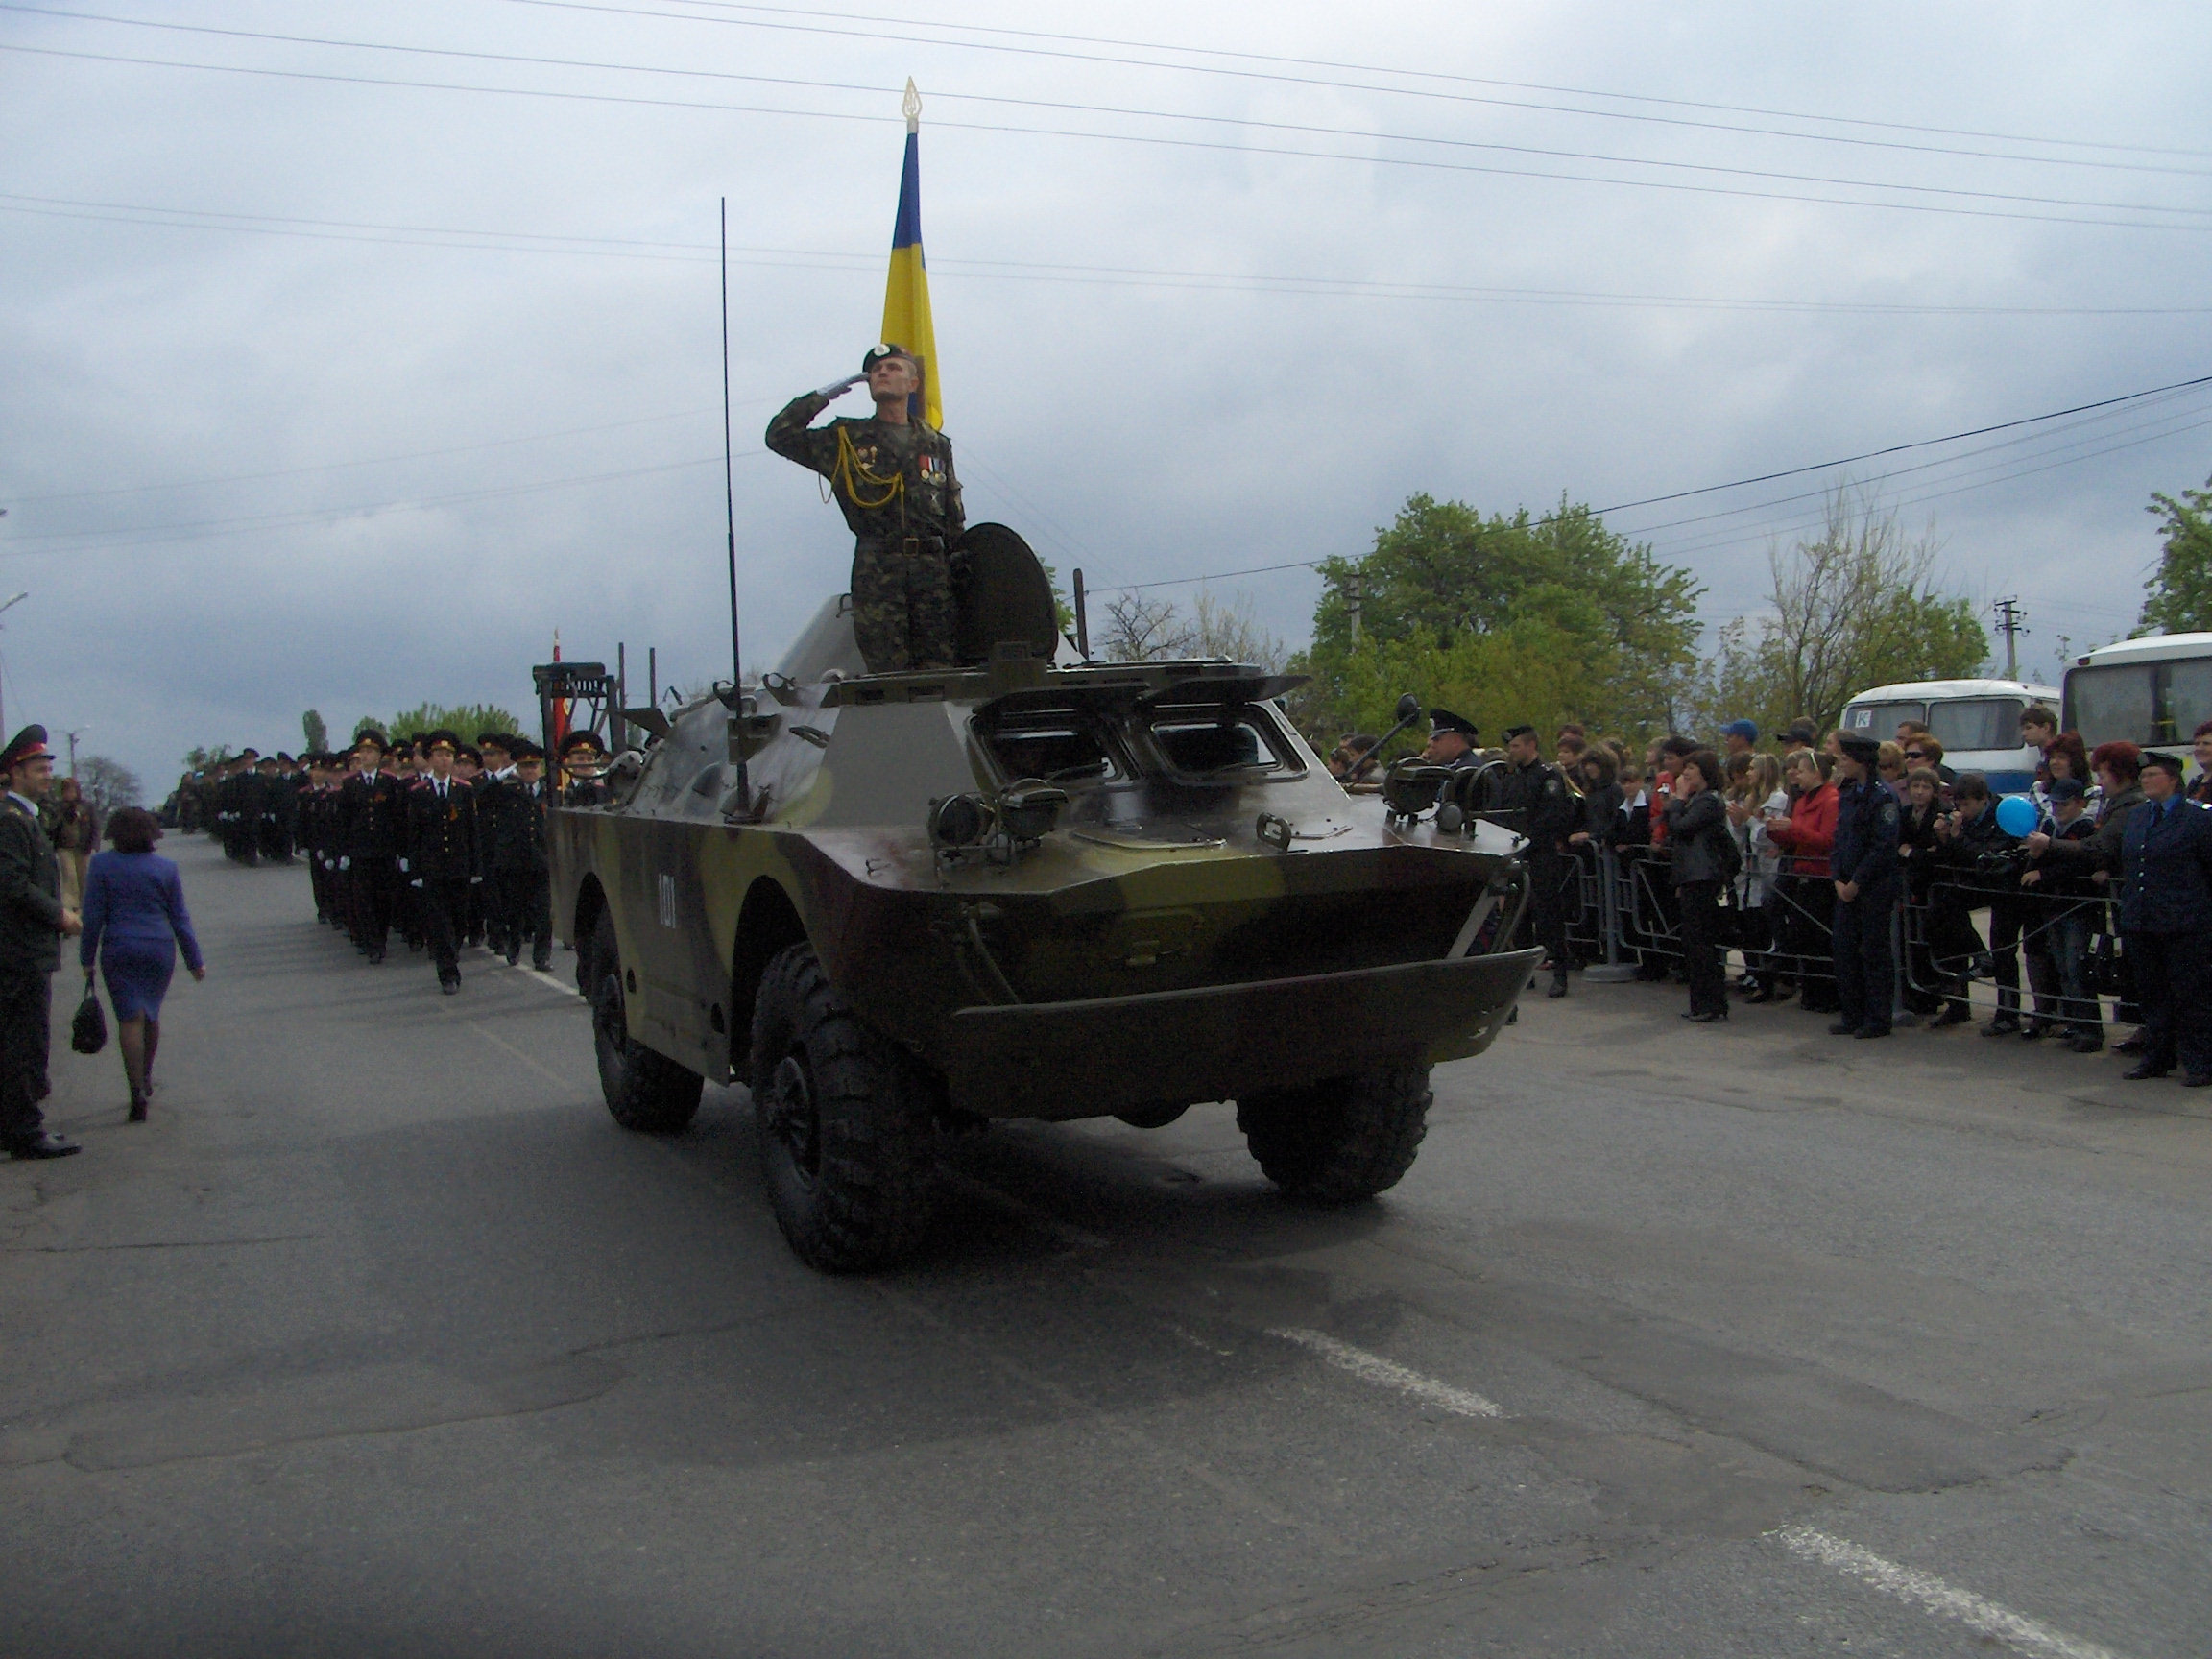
{"points": [[1374, 1368], [1930, 1593]]}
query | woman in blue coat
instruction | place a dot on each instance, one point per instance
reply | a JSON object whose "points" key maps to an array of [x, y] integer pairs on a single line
{"points": [[135, 920]]}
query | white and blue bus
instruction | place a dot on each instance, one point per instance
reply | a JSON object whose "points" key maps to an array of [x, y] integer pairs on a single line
{"points": [[1976, 721], [2153, 692]]}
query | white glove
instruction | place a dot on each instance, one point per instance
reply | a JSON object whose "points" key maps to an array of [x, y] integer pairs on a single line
{"points": [[838, 389], [345, 863], [417, 882], [475, 881], [403, 867]]}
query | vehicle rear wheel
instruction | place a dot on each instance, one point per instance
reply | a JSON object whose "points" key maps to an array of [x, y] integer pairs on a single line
{"points": [[847, 1122], [646, 1091], [1342, 1141]]}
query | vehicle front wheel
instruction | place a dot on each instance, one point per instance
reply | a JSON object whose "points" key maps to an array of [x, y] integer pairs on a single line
{"points": [[847, 1121], [646, 1091], [1342, 1141]]}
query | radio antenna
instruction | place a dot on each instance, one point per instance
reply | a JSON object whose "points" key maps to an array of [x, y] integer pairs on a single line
{"points": [[730, 513]]}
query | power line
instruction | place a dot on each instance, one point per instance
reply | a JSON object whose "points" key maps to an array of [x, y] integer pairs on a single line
{"points": [[531, 60], [469, 240], [1160, 141], [815, 27], [1200, 281]]}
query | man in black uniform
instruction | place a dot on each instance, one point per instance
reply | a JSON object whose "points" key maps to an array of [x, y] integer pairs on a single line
{"points": [[372, 820], [32, 923], [584, 763], [443, 854], [520, 861], [275, 828], [893, 479], [1864, 864], [494, 793], [1529, 794], [1451, 741]]}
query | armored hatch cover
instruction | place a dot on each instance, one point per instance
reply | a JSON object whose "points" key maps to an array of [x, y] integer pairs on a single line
{"points": [[1005, 596]]}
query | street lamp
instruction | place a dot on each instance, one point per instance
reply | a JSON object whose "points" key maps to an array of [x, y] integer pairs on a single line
{"points": [[10, 606]]}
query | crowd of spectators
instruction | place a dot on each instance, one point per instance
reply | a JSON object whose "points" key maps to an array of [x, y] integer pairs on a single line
{"points": [[1864, 879]]}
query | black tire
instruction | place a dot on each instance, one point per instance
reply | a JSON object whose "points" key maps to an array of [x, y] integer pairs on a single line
{"points": [[1342, 1140], [645, 1092], [848, 1125]]}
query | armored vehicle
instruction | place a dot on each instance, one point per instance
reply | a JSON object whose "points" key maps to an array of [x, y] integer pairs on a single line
{"points": [[897, 905]]}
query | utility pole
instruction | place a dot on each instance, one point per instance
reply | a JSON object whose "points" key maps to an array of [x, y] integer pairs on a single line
{"points": [[1354, 585], [73, 736], [2012, 621]]}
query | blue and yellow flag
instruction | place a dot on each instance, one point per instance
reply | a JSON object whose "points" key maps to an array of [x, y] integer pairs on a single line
{"points": [[906, 294]]}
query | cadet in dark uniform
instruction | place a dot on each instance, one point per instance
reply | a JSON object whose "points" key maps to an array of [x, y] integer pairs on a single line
{"points": [[1530, 795], [1866, 870], [584, 764], [32, 922], [520, 861], [493, 796], [370, 825], [894, 482], [1451, 741], [443, 854], [273, 825], [2166, 922]]}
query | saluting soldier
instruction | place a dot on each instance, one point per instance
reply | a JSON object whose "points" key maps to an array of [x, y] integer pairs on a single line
{"points": [[443, 852], [1532, 796], [519, 860], [892, 475], [371, 822], [32, 922], [584, 764]]}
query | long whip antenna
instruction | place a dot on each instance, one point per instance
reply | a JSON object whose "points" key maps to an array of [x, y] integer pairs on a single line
{"points": [[730, 512]]}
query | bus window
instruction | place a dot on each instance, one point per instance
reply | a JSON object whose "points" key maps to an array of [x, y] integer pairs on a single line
{"points": [[2118, 701], [1976, 723], [2188, 696], [1879, 720]]}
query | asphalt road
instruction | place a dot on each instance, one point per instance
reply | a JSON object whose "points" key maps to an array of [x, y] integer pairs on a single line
{"points": [[381, 1337]]}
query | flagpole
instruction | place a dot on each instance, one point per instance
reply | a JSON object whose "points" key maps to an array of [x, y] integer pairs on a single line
{"points": [[730, 513]]}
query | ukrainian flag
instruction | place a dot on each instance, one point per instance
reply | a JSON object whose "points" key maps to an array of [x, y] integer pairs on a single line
{"points": [[906, 294]]}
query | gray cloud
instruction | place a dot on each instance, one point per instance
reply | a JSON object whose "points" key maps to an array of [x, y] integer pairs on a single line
{"points": [[1144, 429]]}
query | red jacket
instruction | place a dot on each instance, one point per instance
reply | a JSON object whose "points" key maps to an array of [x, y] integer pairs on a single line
{"points": [[1808, 834]]}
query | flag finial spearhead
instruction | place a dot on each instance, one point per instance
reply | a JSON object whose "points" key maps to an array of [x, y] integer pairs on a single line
{"points": [[911, 103]]}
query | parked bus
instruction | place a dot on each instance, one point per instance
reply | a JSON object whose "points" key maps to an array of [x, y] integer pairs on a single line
{"points": [[1976, 721], [2153, 692]]}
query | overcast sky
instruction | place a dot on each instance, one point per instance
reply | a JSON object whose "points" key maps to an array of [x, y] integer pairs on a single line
{"points": [[324, 386]]}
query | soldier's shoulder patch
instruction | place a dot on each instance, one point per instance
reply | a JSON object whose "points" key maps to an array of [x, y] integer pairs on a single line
{"points": [[1888, 811]]}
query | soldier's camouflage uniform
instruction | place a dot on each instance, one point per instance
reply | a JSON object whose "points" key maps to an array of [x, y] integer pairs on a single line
{"points": [[896, 487]]}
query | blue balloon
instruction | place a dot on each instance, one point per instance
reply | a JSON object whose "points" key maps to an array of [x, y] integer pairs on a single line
{"points": [[2016, 815]]}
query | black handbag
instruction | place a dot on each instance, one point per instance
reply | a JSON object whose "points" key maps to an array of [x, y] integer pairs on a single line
{"points": [[89, 1030]]}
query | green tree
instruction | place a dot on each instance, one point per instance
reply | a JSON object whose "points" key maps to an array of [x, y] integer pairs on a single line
{"points": [[466, 719], [198, 757], [1856, 608], [315, 732], [2179, 597], [1443, 577]]}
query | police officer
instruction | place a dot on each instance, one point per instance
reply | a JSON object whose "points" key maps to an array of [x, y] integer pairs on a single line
{"points": [[2166, 924], [894, 482], [1451, 741], [1530, 795], [443, 854], [31, 921], [1866, 868]]}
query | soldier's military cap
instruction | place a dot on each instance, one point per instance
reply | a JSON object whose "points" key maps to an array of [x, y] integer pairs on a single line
{"points": [[525, 749], [876, 354], [1512, 732], [283, 759], [1859, 747], [503, 741], [371, 736], [2151, 758], [441, 739], [26, 744], [470, 752], [249, 754], [1444, 720], [576, 740]]}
